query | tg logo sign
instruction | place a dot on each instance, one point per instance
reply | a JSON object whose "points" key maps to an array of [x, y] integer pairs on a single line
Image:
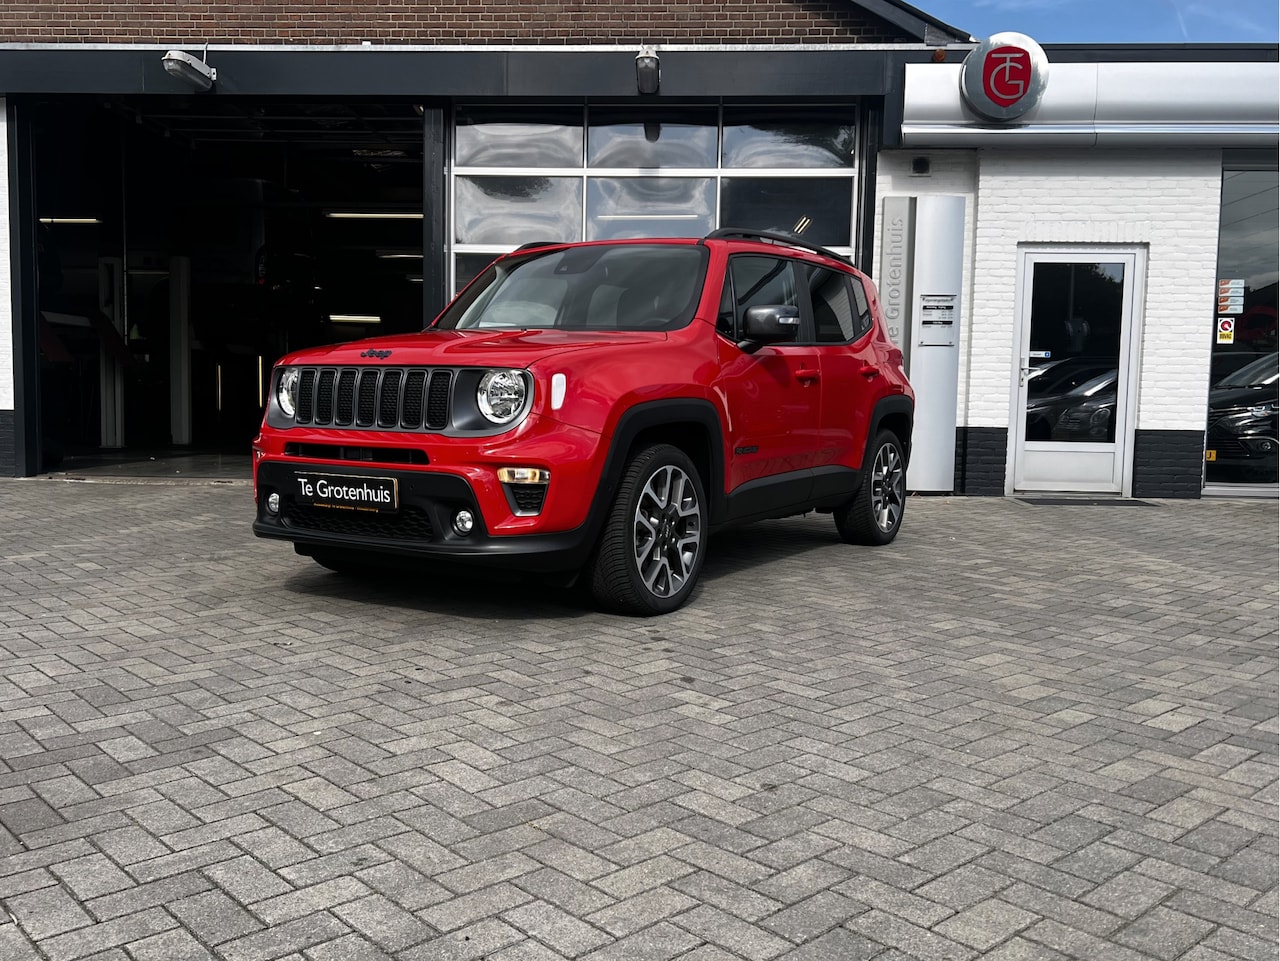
{"points": [[1004, 77]]}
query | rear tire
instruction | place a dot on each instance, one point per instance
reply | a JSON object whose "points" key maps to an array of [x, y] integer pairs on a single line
{"points": [[650, 552], [875, 513]]}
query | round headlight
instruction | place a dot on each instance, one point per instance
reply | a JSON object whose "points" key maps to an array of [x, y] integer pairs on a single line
{"points": [[501, 395], [287, 390]]}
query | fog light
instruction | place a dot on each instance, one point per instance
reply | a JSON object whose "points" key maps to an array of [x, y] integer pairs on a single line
{"points": [[524, 475], [463, 522], [273, 503]]}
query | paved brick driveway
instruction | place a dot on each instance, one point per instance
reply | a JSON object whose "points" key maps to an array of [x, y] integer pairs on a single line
{"points": [[1022, 732]]}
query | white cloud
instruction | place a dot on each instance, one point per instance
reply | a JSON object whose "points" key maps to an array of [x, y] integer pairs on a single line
{"points": [[1243, 16]]}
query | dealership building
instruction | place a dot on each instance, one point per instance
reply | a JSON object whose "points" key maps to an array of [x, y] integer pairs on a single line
{"points": [[1075, 245]]}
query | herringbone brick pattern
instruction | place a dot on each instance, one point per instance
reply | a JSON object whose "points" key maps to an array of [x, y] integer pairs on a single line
{"points": [[1020, 732]]}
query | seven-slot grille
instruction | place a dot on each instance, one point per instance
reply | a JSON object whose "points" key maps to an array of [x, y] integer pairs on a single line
{"points": [[375, 398]]}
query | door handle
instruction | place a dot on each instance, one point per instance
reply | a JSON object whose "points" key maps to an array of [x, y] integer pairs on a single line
{"points": [[870, 371], [806, 374]]}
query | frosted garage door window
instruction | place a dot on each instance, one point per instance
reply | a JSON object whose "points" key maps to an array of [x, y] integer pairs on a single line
{"points": [[631, 138], [517, 210], [619, 207], [487, 138], [787, 139]]}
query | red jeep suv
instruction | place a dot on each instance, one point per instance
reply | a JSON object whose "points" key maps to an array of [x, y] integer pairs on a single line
{"points": [[597, 410]]}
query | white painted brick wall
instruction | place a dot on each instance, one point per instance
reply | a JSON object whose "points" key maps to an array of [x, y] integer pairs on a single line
{"points": [[6, 283], [1167, 200]]}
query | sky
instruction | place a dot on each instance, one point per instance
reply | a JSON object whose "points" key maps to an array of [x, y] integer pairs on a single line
{"points": [[1114, 21]]}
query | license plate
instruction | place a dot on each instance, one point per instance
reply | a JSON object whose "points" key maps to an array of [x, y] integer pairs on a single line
{"points": [[1211, 455], [348, 492]]}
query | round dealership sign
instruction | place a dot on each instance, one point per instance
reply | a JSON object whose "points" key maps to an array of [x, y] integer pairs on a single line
{"points": [[1004, 77]]}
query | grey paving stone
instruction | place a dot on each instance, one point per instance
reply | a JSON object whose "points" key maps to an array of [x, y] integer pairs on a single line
{"points": [[660, 942], [214, 917], [92, 876], [175, 945], [349, 947], [556, 928], [109, 934], [383, 922], [46, 912], [731, 933], [838, 945], [806, 920], [280, 939], [478, 940], [1164, 933], [986, 924], [14, 945], [1064, 748], [918, 942]]}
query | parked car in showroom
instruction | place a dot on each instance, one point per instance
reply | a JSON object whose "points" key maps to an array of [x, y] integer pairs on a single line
{"points": [[594, 411], [1087, 413], [1241, 436], [1045, 414]]}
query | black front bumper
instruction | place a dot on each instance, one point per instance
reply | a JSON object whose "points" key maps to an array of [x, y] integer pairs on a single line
{"points": [[421, 528]]}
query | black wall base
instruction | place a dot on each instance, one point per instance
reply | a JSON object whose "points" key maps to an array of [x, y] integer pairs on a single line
{"points": [[8, 445], [981, 453], [1168, 463]]}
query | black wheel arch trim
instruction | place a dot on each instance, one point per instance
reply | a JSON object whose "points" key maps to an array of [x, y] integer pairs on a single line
{"points": [[889, 406], [660, 413]]}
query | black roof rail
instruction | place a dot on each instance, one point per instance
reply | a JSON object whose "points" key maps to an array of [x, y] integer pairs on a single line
{"points": [[777, 237]]}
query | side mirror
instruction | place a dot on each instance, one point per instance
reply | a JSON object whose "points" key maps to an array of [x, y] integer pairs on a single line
{"points": [[769, 324]]}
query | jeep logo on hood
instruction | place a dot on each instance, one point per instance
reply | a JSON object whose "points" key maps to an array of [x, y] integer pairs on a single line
{"points": [[379, 354]]}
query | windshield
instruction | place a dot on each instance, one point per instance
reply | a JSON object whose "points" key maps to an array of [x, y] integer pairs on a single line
{"points": [[594, 287], [1261, 373]]}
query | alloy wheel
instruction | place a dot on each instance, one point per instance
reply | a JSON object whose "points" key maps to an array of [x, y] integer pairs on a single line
{"points": [[888, 487], [667, 531]]}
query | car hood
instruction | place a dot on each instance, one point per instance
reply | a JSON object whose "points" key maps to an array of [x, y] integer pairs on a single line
{"points": [[1225, 398], [468, 348]]}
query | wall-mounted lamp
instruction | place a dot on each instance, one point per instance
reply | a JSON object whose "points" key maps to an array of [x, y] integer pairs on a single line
{"points": [[648, 73], [198, 73]]}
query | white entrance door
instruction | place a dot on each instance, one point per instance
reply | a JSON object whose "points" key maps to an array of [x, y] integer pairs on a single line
{"points": [[1075, 389]]}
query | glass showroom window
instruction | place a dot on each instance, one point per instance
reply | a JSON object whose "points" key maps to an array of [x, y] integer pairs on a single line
{"points": [[1242, 445], [603, 173]]}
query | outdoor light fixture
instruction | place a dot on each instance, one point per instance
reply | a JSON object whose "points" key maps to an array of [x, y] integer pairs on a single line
{"points": [[648, 73], [198, 73]]}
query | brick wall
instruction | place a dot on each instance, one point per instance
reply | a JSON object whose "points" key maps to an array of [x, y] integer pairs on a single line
{"points": [[1168, 463], [1165, 200], [401, 22]]}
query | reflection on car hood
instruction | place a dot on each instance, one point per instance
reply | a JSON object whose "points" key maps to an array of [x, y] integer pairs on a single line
{"points": [[462, 348], [1224, 398]]}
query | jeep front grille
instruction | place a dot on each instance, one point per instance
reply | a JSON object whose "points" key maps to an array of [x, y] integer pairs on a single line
{"points": [[375, 398]]}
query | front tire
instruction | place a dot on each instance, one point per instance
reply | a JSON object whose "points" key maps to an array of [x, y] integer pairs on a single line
{"points": [[875, 513], [654, 539]]}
